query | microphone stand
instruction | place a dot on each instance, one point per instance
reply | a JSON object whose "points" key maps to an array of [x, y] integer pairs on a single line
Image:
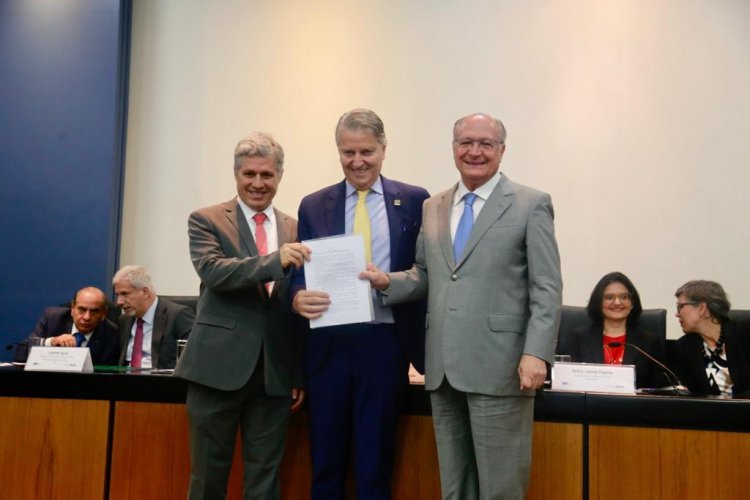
{"points": [[674, 381]]}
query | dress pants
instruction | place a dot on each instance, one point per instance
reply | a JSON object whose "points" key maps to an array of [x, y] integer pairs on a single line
{"points": [[483, 443], [354, 398], [214, 417]]}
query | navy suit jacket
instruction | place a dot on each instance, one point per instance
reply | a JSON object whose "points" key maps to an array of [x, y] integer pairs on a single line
{"points": [[321, 214], [103, 344]]}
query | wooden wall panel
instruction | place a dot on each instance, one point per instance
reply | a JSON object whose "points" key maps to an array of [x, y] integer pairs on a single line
{"points": [[53, 448], [557, 461], [416, 474], [556, 467], [644, 463], [151, 453], [296, 473]]}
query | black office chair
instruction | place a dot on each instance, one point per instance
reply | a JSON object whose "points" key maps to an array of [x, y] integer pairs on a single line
{"points": [[653, 321], [186, 300], [571, 318], [739, 314]]}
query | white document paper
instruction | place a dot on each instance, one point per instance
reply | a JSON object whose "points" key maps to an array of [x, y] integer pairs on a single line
{"points": [[593, 377], [333, 268], [59, 359]]}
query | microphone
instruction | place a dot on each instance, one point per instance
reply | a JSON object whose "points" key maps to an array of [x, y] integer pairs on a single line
{"points": [[15, 344], [674, 381]]}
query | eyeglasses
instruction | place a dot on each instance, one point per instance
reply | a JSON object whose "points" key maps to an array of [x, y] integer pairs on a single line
{"points": [[485, 145], [623, 297], [680, 305]]}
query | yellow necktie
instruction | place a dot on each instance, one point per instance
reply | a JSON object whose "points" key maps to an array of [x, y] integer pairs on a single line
{"points": [[362, 223]]}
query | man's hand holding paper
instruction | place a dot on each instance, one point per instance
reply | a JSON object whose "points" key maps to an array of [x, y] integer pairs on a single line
{"points": [[335, 293]]}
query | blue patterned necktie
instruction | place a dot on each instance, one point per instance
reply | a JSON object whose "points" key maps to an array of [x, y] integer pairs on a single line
{"points": [[80, 338], [464, 226]]}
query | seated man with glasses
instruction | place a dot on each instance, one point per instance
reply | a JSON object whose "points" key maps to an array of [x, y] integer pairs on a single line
{"points": [[83, 324], [614, 309]]}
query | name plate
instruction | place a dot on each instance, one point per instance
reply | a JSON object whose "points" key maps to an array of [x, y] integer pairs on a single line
{"points": [[593, 377], [59, 359]]}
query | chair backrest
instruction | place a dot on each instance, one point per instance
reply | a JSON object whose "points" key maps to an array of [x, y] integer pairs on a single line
{"points": [[571, 317], [739, 314], [186, 300], [653, 321]]}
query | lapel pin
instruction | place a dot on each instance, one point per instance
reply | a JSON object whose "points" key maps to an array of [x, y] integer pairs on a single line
{"points": [[397, 202]]}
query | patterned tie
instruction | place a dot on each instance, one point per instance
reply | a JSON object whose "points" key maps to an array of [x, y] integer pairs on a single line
{"points": [[362, 222], [464, 226], [137, 357], [80, 338], [261, 240]]}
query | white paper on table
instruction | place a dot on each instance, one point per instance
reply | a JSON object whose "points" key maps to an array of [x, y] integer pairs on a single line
{"points": [[333, 268]]}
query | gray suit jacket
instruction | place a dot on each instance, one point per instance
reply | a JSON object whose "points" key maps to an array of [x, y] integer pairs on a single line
{"points": [[236, 318], [171, 322], [500, 301]]}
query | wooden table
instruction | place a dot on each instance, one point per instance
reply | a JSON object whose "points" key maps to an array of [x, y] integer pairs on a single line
{"points": [[124, 436]]}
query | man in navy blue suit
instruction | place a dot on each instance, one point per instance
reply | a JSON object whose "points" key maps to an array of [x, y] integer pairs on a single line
{"points": [[356, 374], [83, 324]]}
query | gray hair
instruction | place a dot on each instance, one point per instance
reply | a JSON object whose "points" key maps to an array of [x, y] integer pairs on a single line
{"points": [[136, 275], [710, 292], [501, 132], [261, 145], [362, 119]]}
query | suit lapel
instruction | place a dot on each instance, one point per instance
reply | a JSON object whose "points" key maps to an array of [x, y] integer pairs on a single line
{"points": [[160, 327], [334, 210], [444, 225], [283, 228], [125, 335], [498, 202], [94, 339], [593, 345], [397, 221], [237, 218]]}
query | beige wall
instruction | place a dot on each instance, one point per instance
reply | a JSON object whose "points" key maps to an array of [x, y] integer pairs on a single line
{"points": [[634, 115]]}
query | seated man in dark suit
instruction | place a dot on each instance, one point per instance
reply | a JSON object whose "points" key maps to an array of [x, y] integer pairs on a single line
{"points": [[83, 324], [149, 326]]}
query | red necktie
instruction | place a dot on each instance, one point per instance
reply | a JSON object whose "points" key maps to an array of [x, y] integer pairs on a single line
{"points": [[137, 356], [261, 241]]}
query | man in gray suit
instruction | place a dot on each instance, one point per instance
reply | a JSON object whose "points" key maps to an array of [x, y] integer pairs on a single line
{"points": [[243, 359], [494, 298], [150, 325]]}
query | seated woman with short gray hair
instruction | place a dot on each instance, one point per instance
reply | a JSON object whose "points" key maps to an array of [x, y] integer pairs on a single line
{"points": [[713, 357]]}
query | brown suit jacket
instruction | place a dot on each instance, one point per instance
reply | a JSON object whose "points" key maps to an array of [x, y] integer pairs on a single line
{"points": [[236, 318]]}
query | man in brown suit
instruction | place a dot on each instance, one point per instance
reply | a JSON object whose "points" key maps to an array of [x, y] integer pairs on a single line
{"points": [[243, 359]]}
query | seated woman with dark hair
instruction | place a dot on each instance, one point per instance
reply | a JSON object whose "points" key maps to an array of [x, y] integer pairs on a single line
{"points": [[615, 308], [713, 357]]}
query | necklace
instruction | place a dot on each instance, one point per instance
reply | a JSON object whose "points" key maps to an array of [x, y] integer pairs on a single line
{"points": [[713, 355], [614, 355]]}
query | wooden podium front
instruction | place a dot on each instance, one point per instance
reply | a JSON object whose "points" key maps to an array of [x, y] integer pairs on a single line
{"points": [[125, 436], [556, 469], [53, 448]]}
